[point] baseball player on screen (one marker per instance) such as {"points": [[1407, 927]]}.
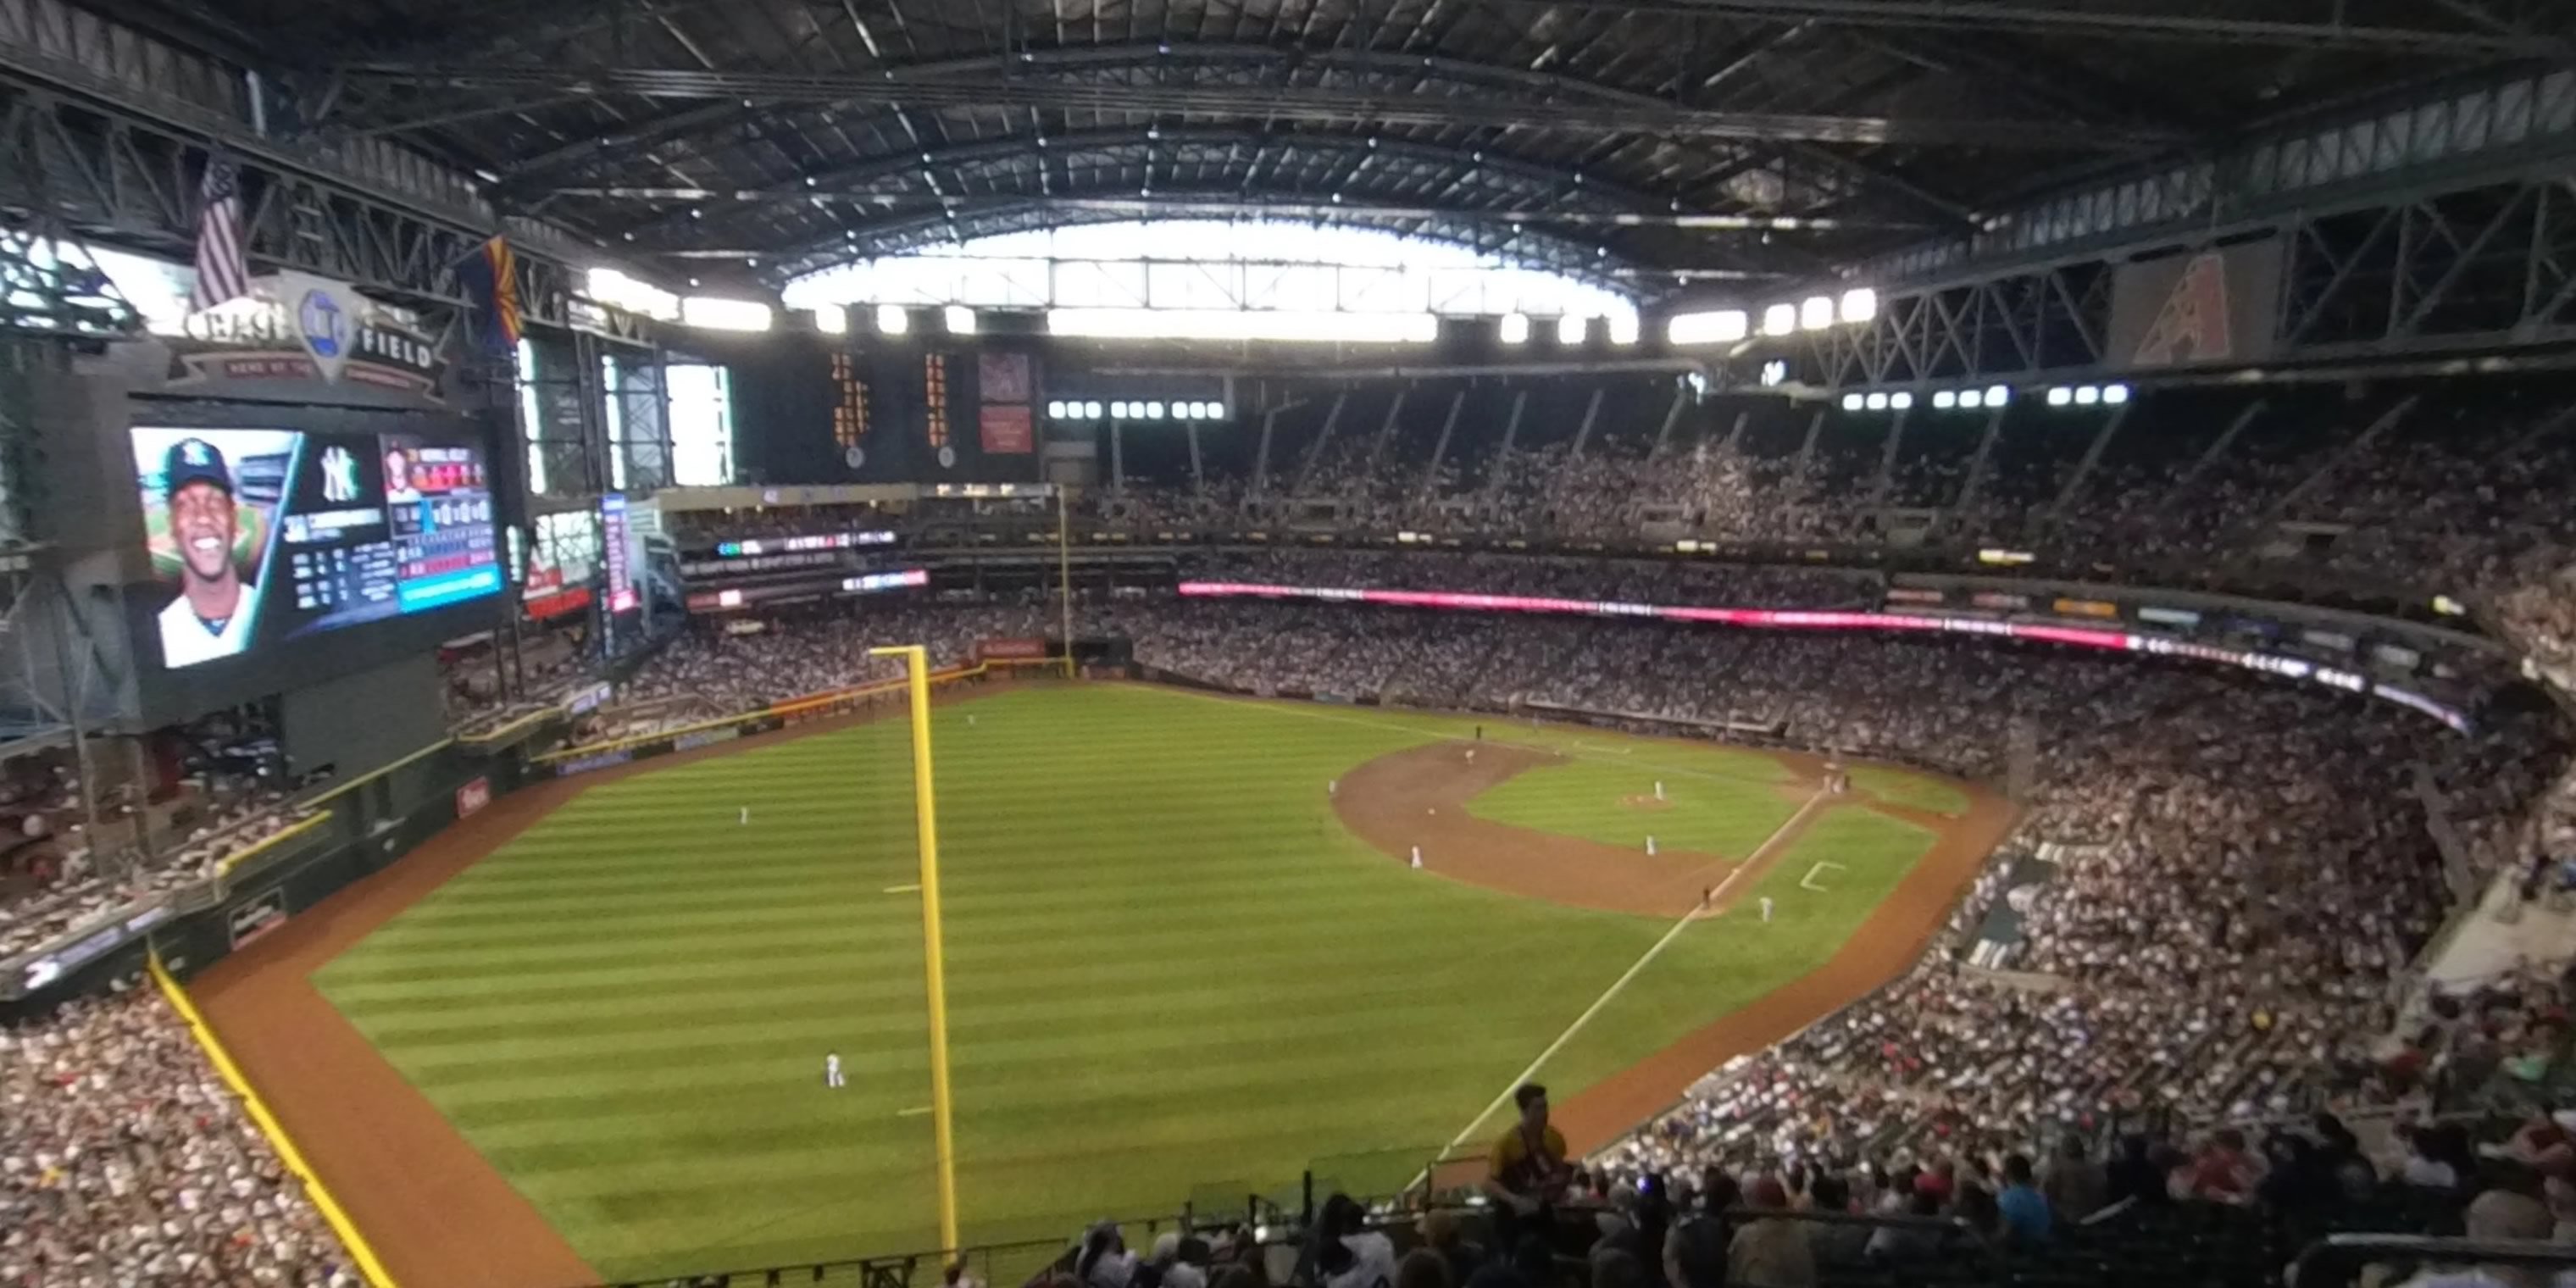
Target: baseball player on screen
{"points": [[212, 616]]}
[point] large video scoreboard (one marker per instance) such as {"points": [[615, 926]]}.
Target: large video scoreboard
{"points": [[259, 536]]}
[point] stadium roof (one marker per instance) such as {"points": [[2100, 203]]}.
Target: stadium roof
{"points": [[1666, 139]]}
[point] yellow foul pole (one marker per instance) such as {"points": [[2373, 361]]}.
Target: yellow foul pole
{"points": [[925, 808], [1064, 574]]}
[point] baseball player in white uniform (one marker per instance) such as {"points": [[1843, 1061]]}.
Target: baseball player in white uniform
{"points": [[213, 614], [832, 1070]]}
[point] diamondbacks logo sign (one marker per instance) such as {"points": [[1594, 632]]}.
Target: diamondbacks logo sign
{"points": [[2192, 326], [2196, 309]]}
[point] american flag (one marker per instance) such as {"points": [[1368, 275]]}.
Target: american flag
{"points": [[222, 271]]}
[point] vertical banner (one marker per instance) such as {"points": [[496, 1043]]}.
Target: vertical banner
{"points": [[1007, 431], [612, 538], [1003, 377], [2196, 308], [1007, 418]]}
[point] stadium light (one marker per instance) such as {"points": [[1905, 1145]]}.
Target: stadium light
{"points": [[1780, 319], [1998, 395], [1718, 326], [1816, 313], [1055, 409], [2087, 395], [832, 319], [1859, 305], [1875, 402], [1970, 399], [1153, 411], [1570, 329], [1118, 410], [1901, 401], [1944, 400], [959, 319], [1774, 373], [892, 320], [1851, 402], [1513, 329], [2115, 394], [1623, 328], [2060, 395], [1091, 411]]}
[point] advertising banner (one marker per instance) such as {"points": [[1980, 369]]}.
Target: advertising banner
{"points": [[1007, 430], [1011, 649], [256, 916], [472, 797], [2196, 308], [2086, 608], [612, 539], [295, 326]]}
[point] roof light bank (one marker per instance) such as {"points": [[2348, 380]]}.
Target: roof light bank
{"points": [[1139, 409], [2111, 395], [1995, 397], [1244, 324]]}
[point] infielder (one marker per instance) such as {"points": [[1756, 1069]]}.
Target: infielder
{"points": [[1766, 910], [832, 1070], [746, 816]]}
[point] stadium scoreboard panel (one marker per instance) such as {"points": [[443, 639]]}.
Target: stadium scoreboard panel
{"points": [[259, 536]]}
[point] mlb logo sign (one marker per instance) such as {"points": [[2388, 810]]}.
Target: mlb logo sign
{"points": [[473, 796], [325, 324]]}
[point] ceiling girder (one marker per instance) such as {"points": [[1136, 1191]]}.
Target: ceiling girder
{"points": [[995, 89], [2479, 39]]}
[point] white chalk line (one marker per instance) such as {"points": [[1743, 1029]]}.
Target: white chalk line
{"points": [[1620, 985], [1808, 882], [904, 889]]}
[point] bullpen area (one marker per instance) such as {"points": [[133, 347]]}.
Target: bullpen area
{"points": [[1190, 955]]}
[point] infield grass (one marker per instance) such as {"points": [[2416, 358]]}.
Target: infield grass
{"points": [[1613, 802], [1170, 970]]}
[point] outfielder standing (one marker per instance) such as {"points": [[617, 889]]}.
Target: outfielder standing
{"points": [[832, 1070]]}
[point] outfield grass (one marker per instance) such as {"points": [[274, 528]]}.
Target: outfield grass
{"points": [[1905, 787], [1169, 970], [1708, 811]]}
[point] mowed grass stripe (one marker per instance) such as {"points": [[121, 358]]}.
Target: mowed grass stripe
{"points": [[1169, 967]]}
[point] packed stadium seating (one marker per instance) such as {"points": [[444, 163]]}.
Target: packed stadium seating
{"points": [[2244, 882]]}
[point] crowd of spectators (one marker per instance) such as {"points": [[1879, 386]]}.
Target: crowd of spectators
{"points": [[2450, 487], [727, 666], [2251, 874], [124, 1160], [56, 876]]}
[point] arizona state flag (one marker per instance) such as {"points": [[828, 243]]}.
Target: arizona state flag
{"points": [[492, 282]]}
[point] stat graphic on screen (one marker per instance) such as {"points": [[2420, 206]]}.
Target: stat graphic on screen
{"points": [[260, 535]]}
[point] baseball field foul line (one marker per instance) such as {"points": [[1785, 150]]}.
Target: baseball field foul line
{"points": [[372, 1269], [1619, 985]]}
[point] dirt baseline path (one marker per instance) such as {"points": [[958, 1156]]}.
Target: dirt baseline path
{"points": [[437, 1214]]}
